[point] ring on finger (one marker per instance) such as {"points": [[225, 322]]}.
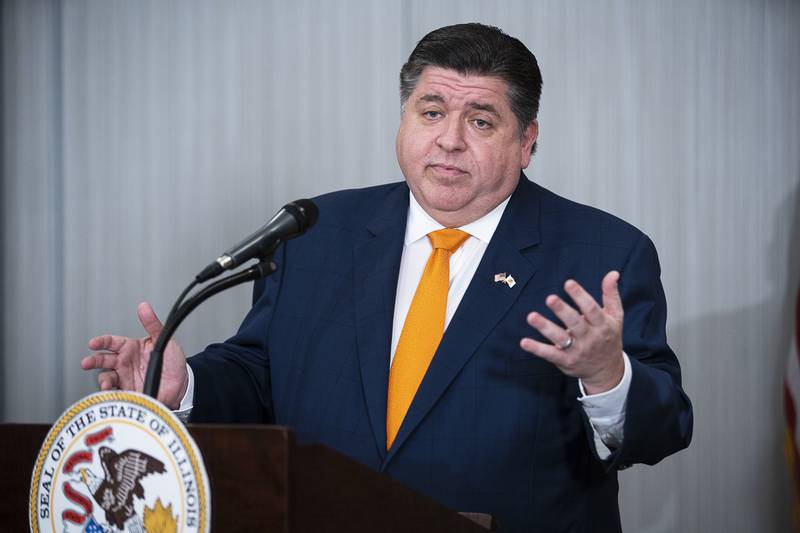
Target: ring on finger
{"points": [[566, 346]]}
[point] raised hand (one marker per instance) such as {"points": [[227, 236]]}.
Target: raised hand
{"points": [[589, 345], [123, 361]]}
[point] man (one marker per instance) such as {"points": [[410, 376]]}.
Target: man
{"points": [[463, 331]]}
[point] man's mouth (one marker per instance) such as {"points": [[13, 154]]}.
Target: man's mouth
{"points": [[446, 170]]}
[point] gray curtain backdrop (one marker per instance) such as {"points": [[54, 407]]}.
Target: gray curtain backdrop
{"points": [[141, 138]]}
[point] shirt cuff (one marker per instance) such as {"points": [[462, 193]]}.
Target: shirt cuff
{"points": [[185, 408], [606, 412]]}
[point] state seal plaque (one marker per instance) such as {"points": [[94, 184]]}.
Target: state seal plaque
{"points": [[119, 461]]}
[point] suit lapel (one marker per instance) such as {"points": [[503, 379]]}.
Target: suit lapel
{"points": [[484, 304], [377, 265]]}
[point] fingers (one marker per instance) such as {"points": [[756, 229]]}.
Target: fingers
{"points": [[150, 322], [588, 306], [567, 314], [113, 343], [612, 301], [591, 314], [548, 352], [99, 360], [590, 347], [556, 334], [108, 380]]}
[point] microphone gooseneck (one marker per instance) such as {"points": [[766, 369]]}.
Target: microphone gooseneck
{"points": [[291, 221], [152, 380]]}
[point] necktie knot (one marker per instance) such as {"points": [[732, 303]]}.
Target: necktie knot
{"points": [[447, 239]]}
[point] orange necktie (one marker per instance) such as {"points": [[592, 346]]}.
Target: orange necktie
{"points": [[422, 330]]}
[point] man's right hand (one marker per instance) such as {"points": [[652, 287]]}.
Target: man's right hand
{"points": [[123, 361]]}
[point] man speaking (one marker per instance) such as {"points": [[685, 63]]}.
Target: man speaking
{"points": [[467, 332]]}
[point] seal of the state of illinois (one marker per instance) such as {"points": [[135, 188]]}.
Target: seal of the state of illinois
{"points": [[119, 461]]}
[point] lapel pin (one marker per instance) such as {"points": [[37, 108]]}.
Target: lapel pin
{"points": [[503, 277]]}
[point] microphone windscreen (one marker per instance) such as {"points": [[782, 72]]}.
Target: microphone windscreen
{"points": [[305, 211]]}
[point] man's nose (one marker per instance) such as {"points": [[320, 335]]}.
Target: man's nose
{"points": [[451, 138]]}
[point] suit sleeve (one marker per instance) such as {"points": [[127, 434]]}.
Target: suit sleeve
{"points": [[658, 413], [232, 378]]}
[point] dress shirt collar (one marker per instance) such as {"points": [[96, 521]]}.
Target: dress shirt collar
{"points": [[420, 223]]}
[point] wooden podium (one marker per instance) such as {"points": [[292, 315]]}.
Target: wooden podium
{"points": [[261, 480]]}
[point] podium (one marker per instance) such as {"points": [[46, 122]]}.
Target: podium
{"points": [[262, 480]]}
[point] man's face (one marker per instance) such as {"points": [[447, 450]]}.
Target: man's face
{"points": [[459, 145]]}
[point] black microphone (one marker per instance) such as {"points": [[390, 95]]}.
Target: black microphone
{"points": [[292, 220]]}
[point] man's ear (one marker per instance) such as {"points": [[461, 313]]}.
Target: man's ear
{"points": [[529, 137]]}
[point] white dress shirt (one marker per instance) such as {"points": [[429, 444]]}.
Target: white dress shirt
{"points": [[606, 411]]}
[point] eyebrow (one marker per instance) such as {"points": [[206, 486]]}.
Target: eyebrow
{"points": [[431, 98], [489, 108]]}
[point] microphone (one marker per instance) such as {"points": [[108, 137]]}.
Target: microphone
{"points": [[290, 221]]}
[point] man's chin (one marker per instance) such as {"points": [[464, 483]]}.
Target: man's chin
{"points": [[448, 200], [447, 207]]}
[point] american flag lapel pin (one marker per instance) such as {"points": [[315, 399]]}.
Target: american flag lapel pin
{"points": [[504, 277]]}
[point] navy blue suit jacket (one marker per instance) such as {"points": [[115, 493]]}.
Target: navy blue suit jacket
{"points": [[492, 428]]}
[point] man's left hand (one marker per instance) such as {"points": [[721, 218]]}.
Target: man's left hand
{"points": [[589, 347]]}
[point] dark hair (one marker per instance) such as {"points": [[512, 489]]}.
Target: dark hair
{"points": [[480, 50]]}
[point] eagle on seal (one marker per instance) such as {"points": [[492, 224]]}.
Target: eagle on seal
{"points": [[123, 471]]}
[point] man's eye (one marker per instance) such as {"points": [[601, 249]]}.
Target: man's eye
{"points": [[481, 124], [431, 115]]}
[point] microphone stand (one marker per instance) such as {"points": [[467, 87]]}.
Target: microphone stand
{"points": [[181, 310]]}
